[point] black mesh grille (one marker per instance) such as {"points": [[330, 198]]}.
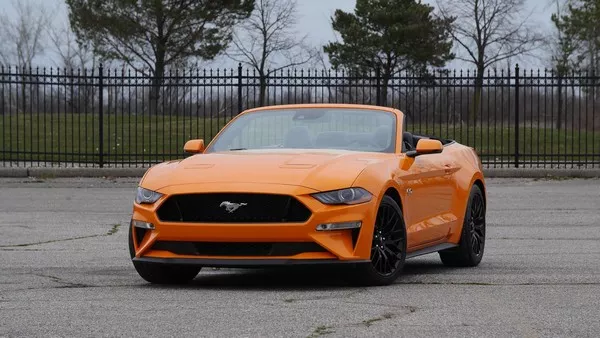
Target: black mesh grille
{"points": [[237, 249], [253, 208]]}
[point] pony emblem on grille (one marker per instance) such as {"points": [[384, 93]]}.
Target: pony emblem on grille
{"points": [[230, 206]]}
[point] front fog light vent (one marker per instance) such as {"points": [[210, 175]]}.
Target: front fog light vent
{"points": [[143, 225], [339, 226]]}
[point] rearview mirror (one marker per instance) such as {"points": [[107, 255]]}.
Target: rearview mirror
{"points": [[426, 146], [194, 146]]}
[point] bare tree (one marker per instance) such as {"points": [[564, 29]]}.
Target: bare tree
{"points": [[23, 32], [78, 60], [267, 41], [490, 31], [562, 49], [70, 53]]}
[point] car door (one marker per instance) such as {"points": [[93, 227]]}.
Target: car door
{"points": [[430, 191]]}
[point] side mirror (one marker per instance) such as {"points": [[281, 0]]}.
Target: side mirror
{"points": [[426, 146], [194, 146]]}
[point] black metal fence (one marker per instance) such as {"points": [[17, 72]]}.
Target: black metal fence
{"points": [[102, 117]]}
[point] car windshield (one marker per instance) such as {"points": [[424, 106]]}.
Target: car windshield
{"points": [[310, 128]]}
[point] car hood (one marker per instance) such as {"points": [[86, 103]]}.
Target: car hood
{"points": [[320, 170]]}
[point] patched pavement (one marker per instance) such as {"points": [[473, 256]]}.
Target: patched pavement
{"points": [[65, 271]]}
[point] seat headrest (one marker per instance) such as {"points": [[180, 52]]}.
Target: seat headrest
{"points": [[298, 137], [331, 139]]}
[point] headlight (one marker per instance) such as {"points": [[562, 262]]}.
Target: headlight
{"points": [[344, 196], [145, 196]]}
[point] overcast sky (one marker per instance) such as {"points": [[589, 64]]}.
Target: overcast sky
{"points": [[314, 20]]}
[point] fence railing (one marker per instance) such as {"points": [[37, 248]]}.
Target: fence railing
{"points": [[102, 117]]}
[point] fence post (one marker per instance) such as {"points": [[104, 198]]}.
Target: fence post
{"points": [[101, 115], [239, 83], [517, 116], [378, 85]]}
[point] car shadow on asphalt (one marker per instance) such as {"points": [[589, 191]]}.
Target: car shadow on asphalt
{"points": [[300, 278]]}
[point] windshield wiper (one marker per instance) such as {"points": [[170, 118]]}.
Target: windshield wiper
{"points": [[234, 149]]}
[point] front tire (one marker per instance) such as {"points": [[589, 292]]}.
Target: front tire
{"points": [[162, 273], [388, 248], [472, 240]]}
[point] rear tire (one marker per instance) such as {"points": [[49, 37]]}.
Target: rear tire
{"points": [[388, 248], [472, 240], [162, 273]]}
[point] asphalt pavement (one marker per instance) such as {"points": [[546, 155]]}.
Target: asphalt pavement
{"points": [[65, 271]]}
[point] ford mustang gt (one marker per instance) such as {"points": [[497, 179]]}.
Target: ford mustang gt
{"points": [[310, 184]]}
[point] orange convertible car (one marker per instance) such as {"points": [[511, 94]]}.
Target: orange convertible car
{"points": [[310, 184]]}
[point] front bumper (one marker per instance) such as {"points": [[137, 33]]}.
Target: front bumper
{"points": [[247, 262], [338, 245]]}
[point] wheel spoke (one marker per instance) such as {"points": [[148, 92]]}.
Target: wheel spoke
{"points": [[375, 257], [392, 253], [392, 241], [391, 221], [476, 206], [480, 237], [474, 244], [388, 213], [382, 260], [388, 263], [479, 228], [383, 254]]}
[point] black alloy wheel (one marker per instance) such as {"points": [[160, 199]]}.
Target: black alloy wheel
{"points": [[472, 241], [388, 248], [477, 224]]}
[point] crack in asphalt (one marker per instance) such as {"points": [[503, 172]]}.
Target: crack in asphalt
{"points": [[71, 286], [546, 239], [544, 253], [323, 330], [409, 308], [65, 284], [371, 321], [499, 284], [112, 231], [50, 241], [543, 209], [13, 249], [344, 296]]}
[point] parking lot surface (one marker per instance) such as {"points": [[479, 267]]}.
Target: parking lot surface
{"points": [[65, 271]]}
